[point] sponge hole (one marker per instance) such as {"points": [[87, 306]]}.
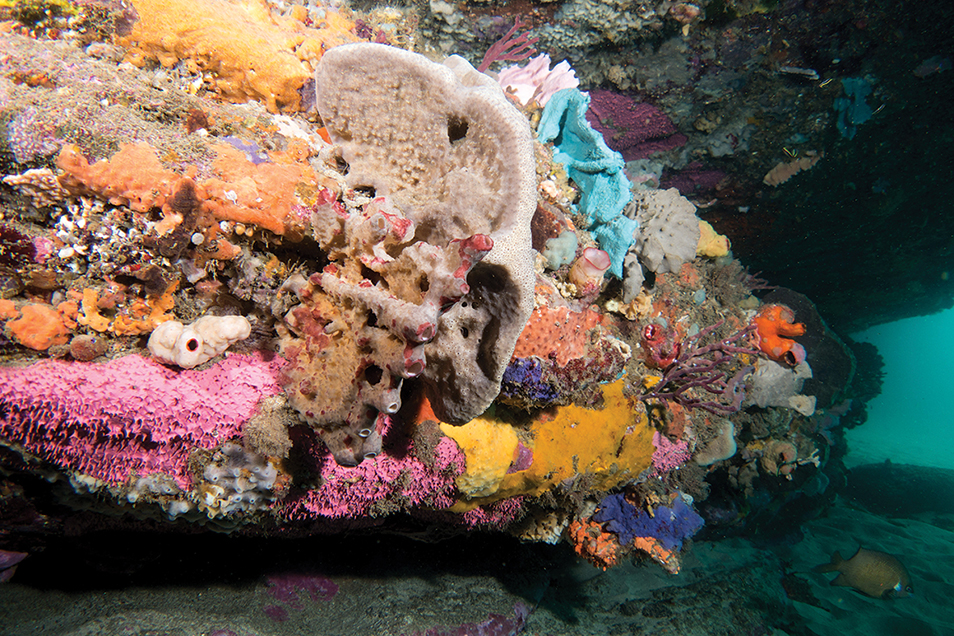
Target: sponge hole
{"points": [[456, 128], [373, 374]]}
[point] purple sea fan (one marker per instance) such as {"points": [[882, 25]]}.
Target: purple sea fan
{"points": [[707, 368]]}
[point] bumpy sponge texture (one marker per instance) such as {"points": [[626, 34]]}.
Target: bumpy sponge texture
{"points": [[668, 229], [444, 143]]}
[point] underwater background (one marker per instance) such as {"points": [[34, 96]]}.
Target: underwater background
{"points": [[634, 318]]}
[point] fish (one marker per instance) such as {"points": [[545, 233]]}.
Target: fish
{"points": [[874, 573]]}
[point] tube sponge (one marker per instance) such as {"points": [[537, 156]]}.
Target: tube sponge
{"points": [[188, 346], [587, 272]]}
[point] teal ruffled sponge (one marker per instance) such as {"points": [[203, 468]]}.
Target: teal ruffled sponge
{"points": [[597, 170]]}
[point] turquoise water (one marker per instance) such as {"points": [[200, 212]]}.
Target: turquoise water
{"points": [[911, 421]]}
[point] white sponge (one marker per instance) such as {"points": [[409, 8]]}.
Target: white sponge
{"points": [[189, 346]]}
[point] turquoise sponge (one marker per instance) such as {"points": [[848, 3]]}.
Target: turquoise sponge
{"points": [[597, 170]]}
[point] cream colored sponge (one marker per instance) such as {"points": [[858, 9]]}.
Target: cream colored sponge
{"points": [[189, 346]]}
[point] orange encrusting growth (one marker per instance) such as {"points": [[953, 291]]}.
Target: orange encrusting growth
{"points": [[249, 53], [262, 195], [41, 326], [591, 542], [774, 329], [559, 332], [669, 559], [138, 318]]}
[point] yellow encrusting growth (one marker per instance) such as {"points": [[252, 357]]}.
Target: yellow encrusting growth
{"points": [[251, 53], [711, 243], [609, 446], [489, 447]]}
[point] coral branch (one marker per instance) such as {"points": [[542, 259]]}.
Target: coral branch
{"points": [[706, 367], [509, 48]]}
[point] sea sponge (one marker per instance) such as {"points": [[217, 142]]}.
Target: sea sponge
{"points": [[774, 384], [779, 458], [262, 194], [597, 171], [560, 250], [588, 270], [139, 317], [39, 327], [711, 243], [489, 447], [774, 329], [557, 332], [250, 53], [652, 546], [609, 446], [132, 177], [444, 143], [719, 447], [353, 340], [8, 309], [668, 229], [599, 547], [188, 346]]}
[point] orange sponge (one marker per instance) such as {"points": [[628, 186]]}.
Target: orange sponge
{"points": [[594, 544], [39, 327], [774, 329], [559, 332], [250, 53]]}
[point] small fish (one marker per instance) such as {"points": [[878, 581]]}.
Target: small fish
{"points": [[870, 572]]}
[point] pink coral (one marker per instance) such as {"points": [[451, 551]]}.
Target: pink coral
{"points": [[668, 455], [395, 479], [537, 80], [130, 414], [498, 514]]}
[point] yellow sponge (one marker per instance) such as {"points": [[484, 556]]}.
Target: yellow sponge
{"points": [[711, 243], [610, 446], [488, 447]]}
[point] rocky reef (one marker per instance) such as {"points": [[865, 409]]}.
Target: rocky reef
{"points": [[263, 287]]}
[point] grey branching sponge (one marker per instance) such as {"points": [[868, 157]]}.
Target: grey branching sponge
{"points": [[443, 143]]}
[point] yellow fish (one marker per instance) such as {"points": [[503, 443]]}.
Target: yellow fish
{"points": [[870, 572]]}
